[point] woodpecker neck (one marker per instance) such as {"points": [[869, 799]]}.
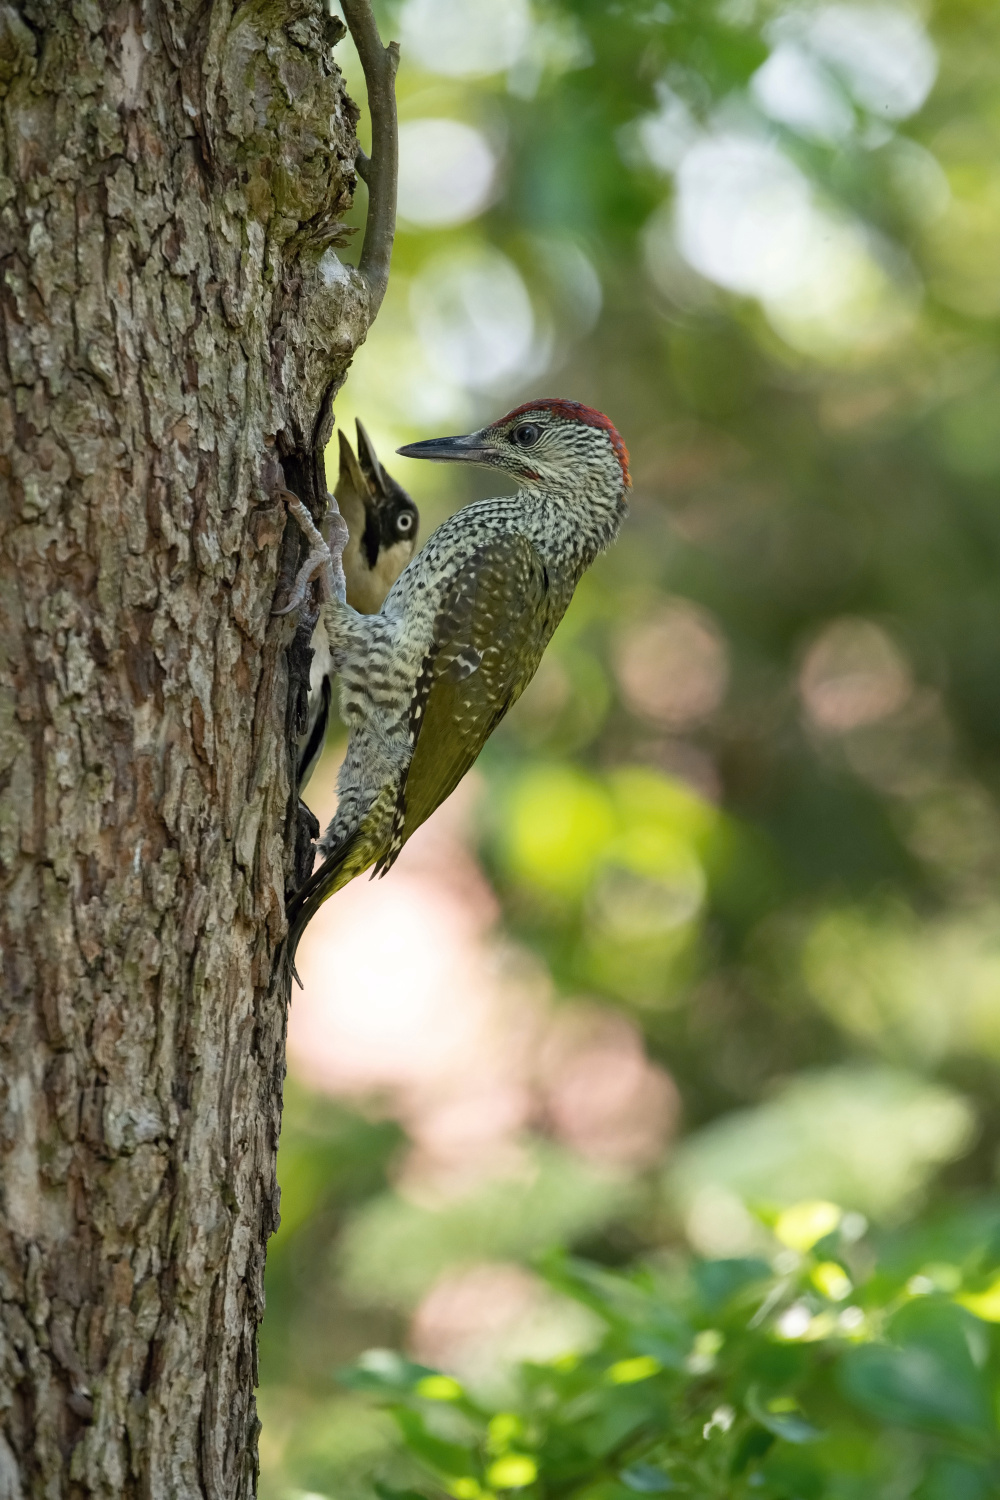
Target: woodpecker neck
{"points": [[574, 522]]}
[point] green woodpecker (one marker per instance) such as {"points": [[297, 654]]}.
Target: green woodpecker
{"points": [[461, 632]]}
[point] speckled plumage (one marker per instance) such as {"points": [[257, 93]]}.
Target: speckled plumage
{"points": [[426, 681], [382, 526]]}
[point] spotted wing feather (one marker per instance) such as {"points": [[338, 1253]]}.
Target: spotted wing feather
{"points": [[488, 640]]}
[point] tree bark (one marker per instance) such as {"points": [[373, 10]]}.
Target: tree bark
{"points": [[175, 322]]}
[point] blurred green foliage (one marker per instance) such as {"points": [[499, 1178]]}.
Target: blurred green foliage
{"points": [[394, 1250], [832, 1369], [751, 799]]}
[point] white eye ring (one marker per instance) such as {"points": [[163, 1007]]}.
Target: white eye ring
{"points": [[404, 522]]}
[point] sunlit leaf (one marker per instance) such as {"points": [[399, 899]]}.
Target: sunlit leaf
{"points": [[985, 1304], [439, 1388], [503, 1429], [803, 1224], [512, 1472], [832, 1280], [628, 1371]]}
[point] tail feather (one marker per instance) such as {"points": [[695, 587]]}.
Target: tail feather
{"points": [[333, 874], [358, 851]]}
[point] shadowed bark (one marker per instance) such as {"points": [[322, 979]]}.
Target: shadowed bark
{"points": [[174, 322]]}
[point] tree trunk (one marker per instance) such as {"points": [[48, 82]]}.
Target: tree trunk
{"points": [[175, 322]]}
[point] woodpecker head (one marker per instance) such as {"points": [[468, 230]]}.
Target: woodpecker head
{"points": [[382, 522], [547, 444], [392, 519]]}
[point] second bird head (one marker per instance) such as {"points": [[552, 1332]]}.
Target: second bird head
{"points": [[382, 522]]}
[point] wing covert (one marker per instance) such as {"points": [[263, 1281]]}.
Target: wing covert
{"points": [[488, 640]]}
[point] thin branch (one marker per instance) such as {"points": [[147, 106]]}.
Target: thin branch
{"points": [[382, 169]]}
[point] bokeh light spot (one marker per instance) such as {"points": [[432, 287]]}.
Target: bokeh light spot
{"points": [[446, 172], [629, 1371], [474, 317], [748, 219], [603, 1097], [476, 1316], [791, 87], [558, 822], [673, 668], [853, 675], [883, 53], [465, 38]]}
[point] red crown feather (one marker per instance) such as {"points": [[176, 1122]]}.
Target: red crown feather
{"points": [[575, 411]]}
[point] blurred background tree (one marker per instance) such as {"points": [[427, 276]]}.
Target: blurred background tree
{"points": [[713, 930]]}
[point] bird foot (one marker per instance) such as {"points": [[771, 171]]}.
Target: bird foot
{"points": [[325, 560]]}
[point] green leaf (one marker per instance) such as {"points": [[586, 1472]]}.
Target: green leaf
{"points": [[384, 1370], [450, 1460], [646, 1479], [754, 1443], [618, 1412], [912, 1386], [780, 1417], [718, 1281]]}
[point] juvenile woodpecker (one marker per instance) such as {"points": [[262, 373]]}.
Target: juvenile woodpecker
{"points": [[382, 521], [382, 524], [426, 681]]}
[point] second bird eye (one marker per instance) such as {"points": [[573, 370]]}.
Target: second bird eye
{"points": [[526, 434]]}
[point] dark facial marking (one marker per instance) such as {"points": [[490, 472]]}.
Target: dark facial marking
{"points": [[399, 520], [371, 541]]}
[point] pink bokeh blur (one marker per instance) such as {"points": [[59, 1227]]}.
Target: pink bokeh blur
{"points": [[673, 667], [411, 1000], [412, 1004], [478, 1319]]}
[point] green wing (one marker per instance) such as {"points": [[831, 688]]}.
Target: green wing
{"points": [[488, 641]]}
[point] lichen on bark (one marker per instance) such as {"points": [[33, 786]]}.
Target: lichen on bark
{"points": [[174, 321]]}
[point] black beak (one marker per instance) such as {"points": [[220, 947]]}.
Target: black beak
{"points": [[370, 466], [475, 448]]}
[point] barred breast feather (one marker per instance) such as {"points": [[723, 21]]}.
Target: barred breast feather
{"points": [[488, 637]]}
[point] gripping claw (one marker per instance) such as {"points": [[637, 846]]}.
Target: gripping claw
{"points": [[324, 561]]}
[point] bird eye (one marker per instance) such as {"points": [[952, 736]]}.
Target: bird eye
{"points": [[404, 522], [526, 435]]}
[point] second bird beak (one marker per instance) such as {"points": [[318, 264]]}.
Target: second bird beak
{"points": [[475, 448]]}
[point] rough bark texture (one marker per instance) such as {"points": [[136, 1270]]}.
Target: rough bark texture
{"points": [[174, 317]]}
